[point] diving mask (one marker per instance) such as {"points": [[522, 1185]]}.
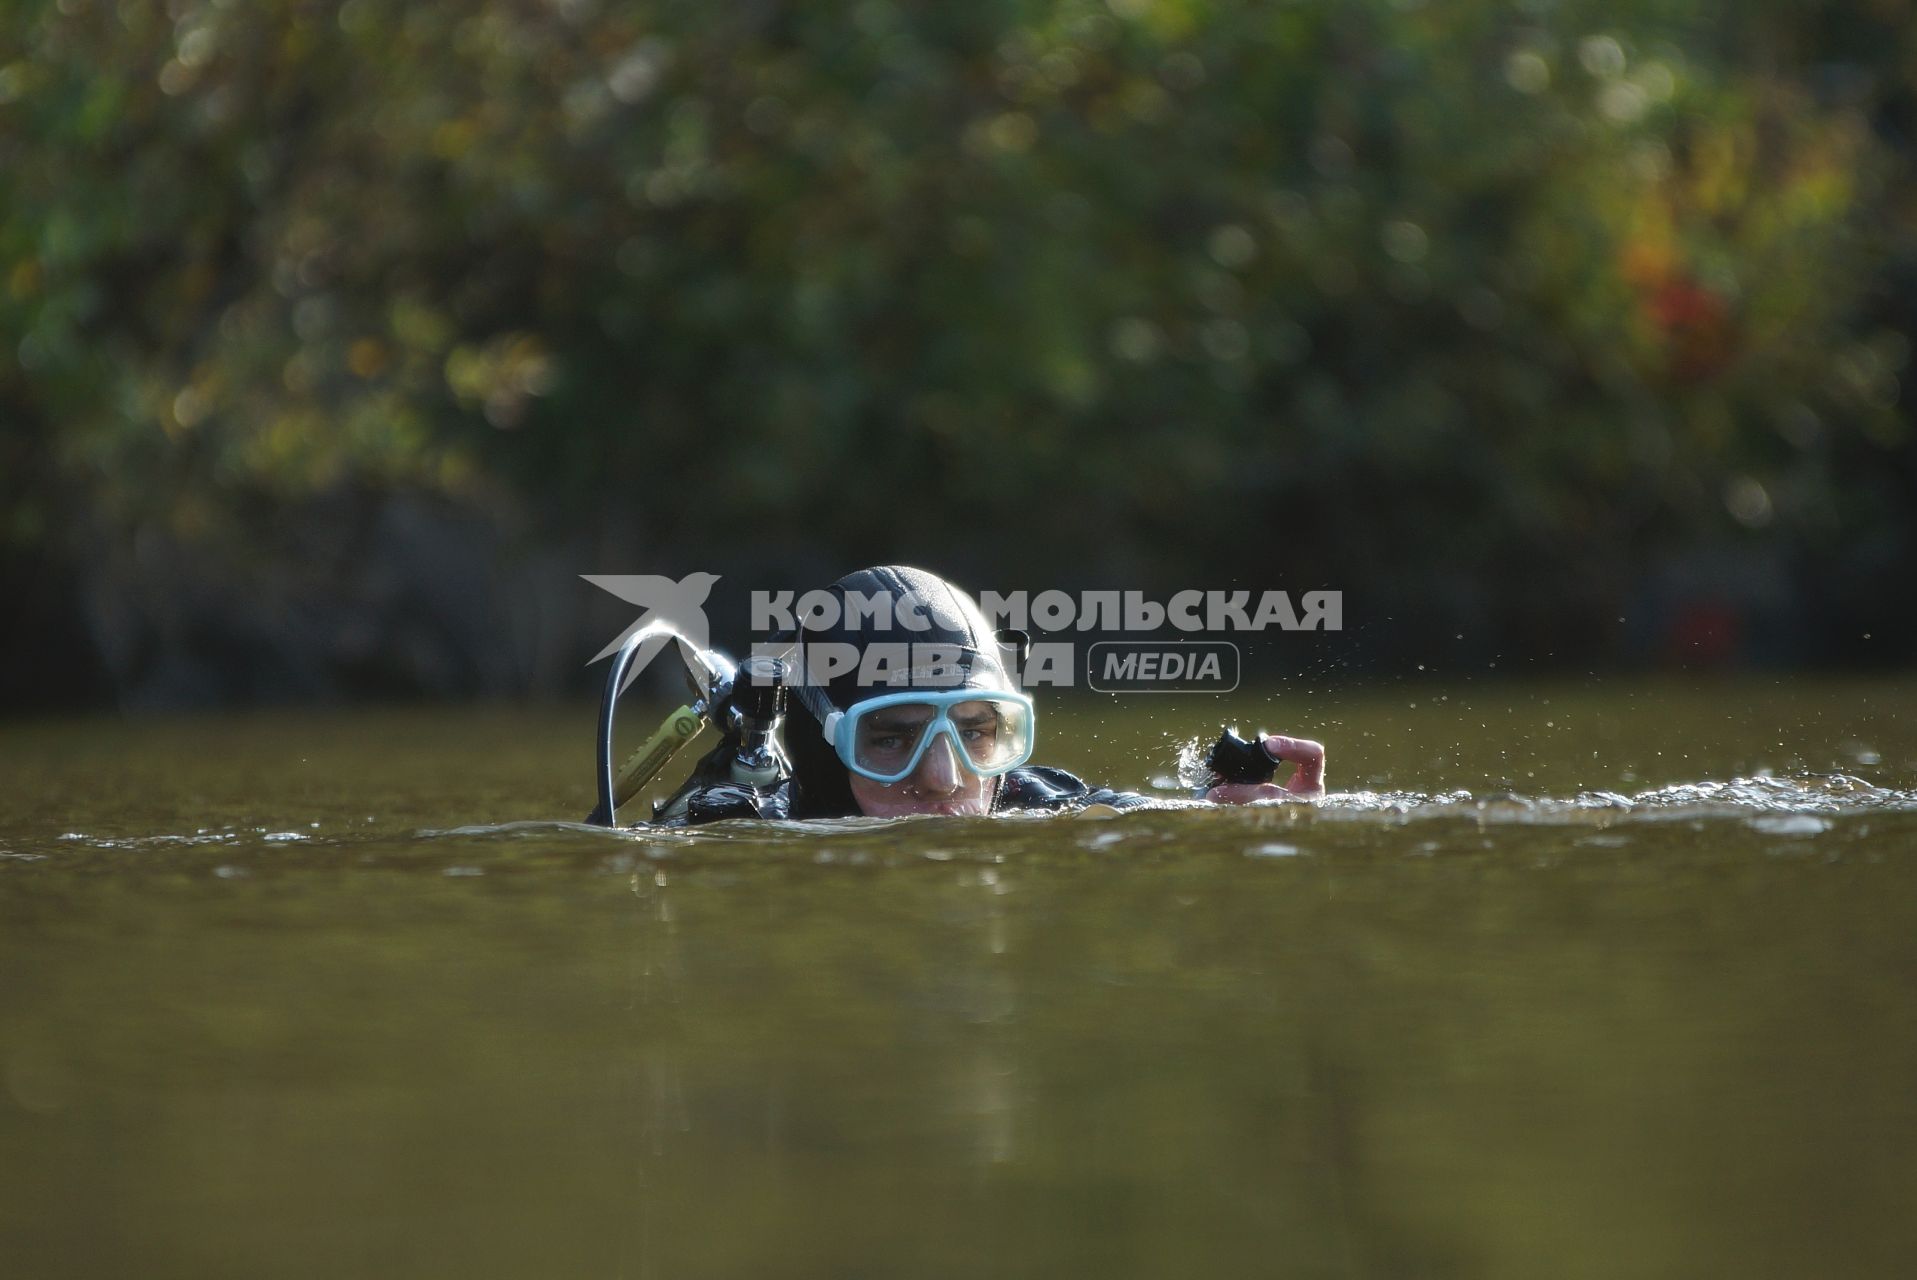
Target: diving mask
{"points": [[884, 738]]}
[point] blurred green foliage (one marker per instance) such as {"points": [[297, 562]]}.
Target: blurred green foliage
{"points": [[1404, 285]]}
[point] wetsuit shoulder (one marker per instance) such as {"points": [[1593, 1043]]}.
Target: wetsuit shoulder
{"points": [[709, 795], [1040, 786], [720, 800]]}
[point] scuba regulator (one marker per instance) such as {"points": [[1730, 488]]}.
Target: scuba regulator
{"points": [[748, 774], [753, 716]]}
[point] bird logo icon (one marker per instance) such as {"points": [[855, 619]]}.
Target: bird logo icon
{"points": [[671, 609]]}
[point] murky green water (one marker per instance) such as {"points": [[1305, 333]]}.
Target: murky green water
{"points": [[282, 996]]}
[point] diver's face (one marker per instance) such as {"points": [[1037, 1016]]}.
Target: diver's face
{"points": [[939, 785]]}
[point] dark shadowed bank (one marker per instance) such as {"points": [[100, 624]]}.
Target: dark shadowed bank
{"points": [[336, 341]]}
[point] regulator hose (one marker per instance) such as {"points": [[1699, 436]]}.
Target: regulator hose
{"points": [[679, 728], [605, 815]]}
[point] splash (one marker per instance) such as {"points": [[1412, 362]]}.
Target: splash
{"points": [[1834, 794], [1191, 770]]}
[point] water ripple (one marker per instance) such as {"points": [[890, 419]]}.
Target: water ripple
{"points": [[1800, 806]]}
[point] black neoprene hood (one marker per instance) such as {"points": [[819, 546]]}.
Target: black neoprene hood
{"points": [[953, 625]]}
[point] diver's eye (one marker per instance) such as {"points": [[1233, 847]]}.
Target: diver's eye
{"points": [[978, 728]]}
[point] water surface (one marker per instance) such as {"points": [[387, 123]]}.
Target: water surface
{"points": [[1605, 979]]}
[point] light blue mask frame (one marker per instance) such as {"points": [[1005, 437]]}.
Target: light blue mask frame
{"points": [[842, 729]]}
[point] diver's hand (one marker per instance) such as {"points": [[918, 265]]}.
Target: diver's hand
{"points": [[1307, 781]]}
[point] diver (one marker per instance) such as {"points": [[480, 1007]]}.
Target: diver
{"points": [[952, 736]]}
